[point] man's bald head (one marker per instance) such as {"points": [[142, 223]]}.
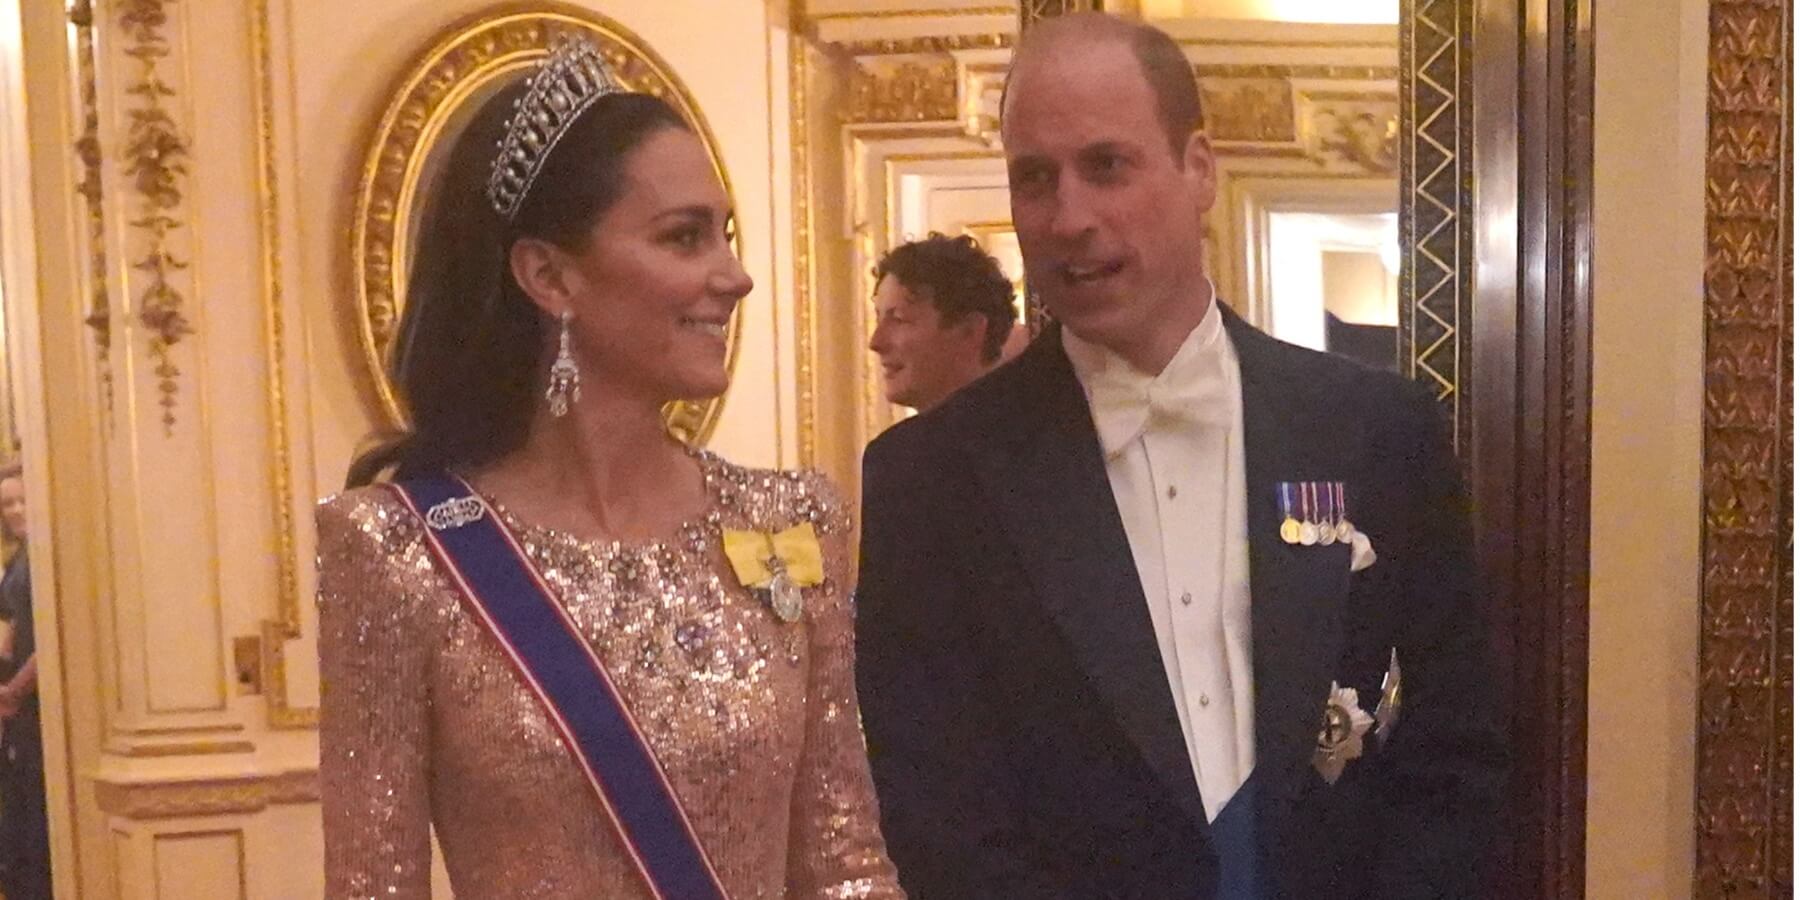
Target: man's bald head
{"points": [[1165, 68]]}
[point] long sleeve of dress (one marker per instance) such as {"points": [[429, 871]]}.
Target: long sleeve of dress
{"points": [[374, 712], [836, 849]]}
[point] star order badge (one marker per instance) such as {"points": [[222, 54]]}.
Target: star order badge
{"points": [[1341, 733]]}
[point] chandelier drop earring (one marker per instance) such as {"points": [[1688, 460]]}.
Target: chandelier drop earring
{"points": [[565, 376]]}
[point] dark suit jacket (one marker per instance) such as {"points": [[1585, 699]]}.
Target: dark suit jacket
{"points": [[1023, 736]]}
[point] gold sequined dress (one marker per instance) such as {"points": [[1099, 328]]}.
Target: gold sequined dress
{"points": [[424, 721]]}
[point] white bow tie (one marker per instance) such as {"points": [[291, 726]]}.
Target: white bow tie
{"points": [[1125, 404]]}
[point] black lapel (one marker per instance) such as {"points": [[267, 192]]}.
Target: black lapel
{"points": [[1297, 593], [1047, 479]]}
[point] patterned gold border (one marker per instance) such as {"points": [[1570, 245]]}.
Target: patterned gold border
{"points": [[1436, 199], [1744, 764], [459, 63]]}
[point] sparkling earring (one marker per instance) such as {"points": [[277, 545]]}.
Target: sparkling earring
{"points": [[565, 376]]}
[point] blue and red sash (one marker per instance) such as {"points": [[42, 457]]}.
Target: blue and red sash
{"points": [[509, 597]]}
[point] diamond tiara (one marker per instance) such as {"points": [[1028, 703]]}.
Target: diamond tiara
{"points": [[569, 81]]}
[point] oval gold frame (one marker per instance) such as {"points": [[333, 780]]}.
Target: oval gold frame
{"points": [[459, 64]]}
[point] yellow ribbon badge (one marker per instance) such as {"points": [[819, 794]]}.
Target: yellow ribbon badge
{"points": [[777, 566], [798, 549]]}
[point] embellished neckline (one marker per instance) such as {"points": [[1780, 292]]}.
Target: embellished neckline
{"points": [[692, 535]]}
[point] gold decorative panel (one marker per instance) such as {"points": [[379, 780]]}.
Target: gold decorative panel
{"points": [[912, 89], [1744, 766], [461, 68], [1358, 129], [1252, 110]]}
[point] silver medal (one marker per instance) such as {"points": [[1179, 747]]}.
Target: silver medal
{"points": [[785, 598]]}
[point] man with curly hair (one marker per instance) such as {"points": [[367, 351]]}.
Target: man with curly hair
{"points": [[943, 318]]}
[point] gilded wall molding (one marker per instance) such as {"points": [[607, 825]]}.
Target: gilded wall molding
{"points": [[1307, 71], [1337, 130], [920, 13], [205, 797], [92, 192], [464, 59], [1744, 764], [155, 159], [806, 365], [1354, 129], [952, 43], [282, 714]]}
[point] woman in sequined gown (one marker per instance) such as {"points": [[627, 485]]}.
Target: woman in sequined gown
{"points": [[424, 721]]}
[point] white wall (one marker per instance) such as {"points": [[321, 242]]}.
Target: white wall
{"points": [[1650, 106]]}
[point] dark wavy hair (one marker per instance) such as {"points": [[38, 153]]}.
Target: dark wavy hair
{"points": [[960, 279], [470, 353]]}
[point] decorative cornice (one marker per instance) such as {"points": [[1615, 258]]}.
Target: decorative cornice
{"points": [[913, 46]]}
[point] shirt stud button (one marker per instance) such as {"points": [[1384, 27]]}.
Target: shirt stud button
{"points": [[1187, 599], [1205, 701], [1172, 492]]}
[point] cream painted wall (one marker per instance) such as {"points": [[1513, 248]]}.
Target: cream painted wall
{"points": [[1650, 129]]}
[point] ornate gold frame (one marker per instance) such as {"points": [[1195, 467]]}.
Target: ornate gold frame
{"points": [[465, 59]]}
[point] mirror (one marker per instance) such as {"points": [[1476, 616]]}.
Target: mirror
{"points": [[437, 97]]}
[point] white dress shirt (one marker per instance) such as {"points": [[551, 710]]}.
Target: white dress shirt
{"points": [[1174, 449]]}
